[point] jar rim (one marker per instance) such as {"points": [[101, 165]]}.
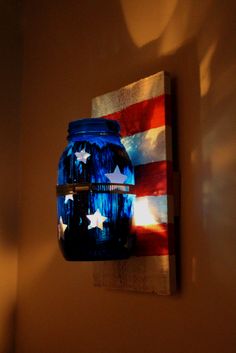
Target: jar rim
{"points": [[99, 126]]}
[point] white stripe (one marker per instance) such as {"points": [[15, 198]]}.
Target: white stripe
{"points": [[146, 88], [148, 146], [150, 210]]}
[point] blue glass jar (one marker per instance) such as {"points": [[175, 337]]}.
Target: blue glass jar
{"points": [[94, 193]]}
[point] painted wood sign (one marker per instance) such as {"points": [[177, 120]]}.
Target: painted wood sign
{"points": [[143, 111]]}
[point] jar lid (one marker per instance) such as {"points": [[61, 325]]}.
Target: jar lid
{"points": [[93, 126]]}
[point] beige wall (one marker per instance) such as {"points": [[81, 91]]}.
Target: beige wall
{"points": [[10, 68], [75, 50]]}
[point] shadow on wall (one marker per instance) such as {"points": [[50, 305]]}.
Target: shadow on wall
{"points": [[77, 51], [8, 331], [10, 72]]}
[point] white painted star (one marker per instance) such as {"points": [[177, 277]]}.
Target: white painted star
{"points": [[116, 177], [96, 220], [82, 156], [68, 197], [61, 228]]}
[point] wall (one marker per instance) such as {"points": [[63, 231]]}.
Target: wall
{"points": [[10, 63], [74, 50]]}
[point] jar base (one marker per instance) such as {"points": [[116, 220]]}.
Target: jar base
{"points": [[98, 256]]}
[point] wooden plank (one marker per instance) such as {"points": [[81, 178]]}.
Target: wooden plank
{"points": [[143, 110]]}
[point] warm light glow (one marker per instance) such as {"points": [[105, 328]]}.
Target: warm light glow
{"points": [[142, 213], [170, 23], [141, 18], [184, 24], [205, 69]]}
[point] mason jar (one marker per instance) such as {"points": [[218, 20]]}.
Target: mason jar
{"points": [[94, 193]]}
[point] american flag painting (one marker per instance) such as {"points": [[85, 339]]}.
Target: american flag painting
{"points": [[143, 111]]}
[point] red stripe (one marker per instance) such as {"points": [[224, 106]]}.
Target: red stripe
{"points": [[155, 240], [154, 179], [142, 116]]}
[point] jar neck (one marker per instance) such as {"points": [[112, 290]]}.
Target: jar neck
{"points": [[94, 127]]}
